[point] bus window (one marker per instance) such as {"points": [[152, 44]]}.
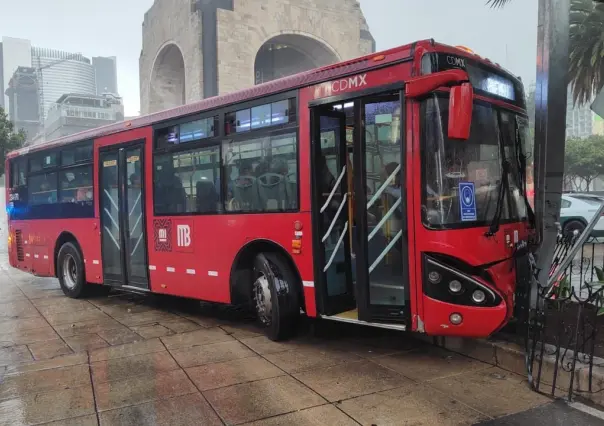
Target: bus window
{"points": [[75, 155], [76, 184], [184, 182], [261, 174], [42, 189], [42, 161], [18, 173]]}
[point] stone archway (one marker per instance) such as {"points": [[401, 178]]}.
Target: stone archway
{"points": [[288, 54], [167, 84]]}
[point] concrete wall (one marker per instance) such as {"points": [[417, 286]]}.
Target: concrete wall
{"points": [[171, 22]]}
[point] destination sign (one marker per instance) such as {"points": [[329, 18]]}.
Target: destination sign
{"points": [[484, 79]]}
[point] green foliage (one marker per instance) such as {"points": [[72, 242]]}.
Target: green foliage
{"points": [[10, 139], [564, 289], [597, 287], [584, 158], [586, 65], [498, 3], [586, 58]]}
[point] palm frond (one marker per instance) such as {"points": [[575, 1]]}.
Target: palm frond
{"points": [[586, 62], [497, 3]]}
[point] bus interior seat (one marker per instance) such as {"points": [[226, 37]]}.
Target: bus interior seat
{"points": [[272, 191], [245, 192], [206, 197]]}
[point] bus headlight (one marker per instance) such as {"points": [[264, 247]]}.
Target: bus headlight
{"points": [[459, 285], [434, 277], [479, 297], [455, 287]]}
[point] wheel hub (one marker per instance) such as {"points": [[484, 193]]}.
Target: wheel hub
{"points": [[262, 296], [70, 272]]}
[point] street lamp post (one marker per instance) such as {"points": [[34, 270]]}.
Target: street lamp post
{"points": [[550, 125]]}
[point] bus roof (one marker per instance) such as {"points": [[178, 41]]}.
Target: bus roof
{"points": [[285, 84]]}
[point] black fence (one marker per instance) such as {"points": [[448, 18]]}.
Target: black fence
{"points": [[562, 319]]}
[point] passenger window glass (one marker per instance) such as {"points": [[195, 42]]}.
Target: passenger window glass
{"points": [[18, 173], [261, 174], [80, 154], [187, 182], [261, 116], [166, 137], [42, 161], [242, 120], [43, 189], [280, 112], [76, 185]]}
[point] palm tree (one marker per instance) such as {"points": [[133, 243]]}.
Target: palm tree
{"points": [[586, 61]]}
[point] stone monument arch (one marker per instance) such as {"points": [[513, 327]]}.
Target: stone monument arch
{"points": [[195, 49]]}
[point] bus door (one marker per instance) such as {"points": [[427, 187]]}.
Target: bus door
{"points": [[381, 210], [360, 210], [122, 207], [334, 274]]}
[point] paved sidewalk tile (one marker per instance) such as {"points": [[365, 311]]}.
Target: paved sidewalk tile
{"points": [[415, 404], [494, 391], [49, 349], [257, 400], [189, 409], [47, 406]]}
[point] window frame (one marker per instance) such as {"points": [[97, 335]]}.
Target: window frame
{"points": [[249, 136], [189, 148], [496, 107], [57, 169], [185, 120], [293, 126]]}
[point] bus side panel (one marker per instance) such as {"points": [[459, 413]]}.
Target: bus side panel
{"points": [[197, 263], [39, 239]]}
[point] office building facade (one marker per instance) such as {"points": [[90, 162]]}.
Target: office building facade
{"points": [[105, 71]]}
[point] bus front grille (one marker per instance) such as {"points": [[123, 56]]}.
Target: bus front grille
{"points": [[19, 244]]}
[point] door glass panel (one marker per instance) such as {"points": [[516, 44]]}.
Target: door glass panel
{"points": [[385, 205], [133, 219], [333, 223], [110, 217]]}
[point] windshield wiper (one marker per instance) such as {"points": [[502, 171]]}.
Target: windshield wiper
{"points": [[504, 187]]}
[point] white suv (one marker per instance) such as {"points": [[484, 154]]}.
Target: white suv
{"points": [[576, 212]]}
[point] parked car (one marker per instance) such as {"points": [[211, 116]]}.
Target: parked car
{"points": [[576, 212]]}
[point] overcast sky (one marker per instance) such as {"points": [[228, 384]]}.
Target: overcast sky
{"points": [[113, 28]]}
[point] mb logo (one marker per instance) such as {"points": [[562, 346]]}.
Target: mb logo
{"points": [[183, 235], [163, 235]]}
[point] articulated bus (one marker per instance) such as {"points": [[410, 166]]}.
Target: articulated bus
{"points": [[389, 190]]}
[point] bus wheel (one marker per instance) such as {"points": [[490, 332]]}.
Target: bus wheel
{"points": [[275, 296], [572, 226], [70, 271]]}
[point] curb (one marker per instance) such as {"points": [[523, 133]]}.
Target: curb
{"points": [[511, 357]]}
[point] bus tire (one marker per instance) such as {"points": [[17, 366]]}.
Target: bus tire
{"points": [[71, 273], [275, 296], [571, 226]]}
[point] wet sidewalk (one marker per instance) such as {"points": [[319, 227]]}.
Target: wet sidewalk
{"points": [[127, 360]]}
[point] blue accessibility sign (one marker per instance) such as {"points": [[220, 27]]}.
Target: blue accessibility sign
{"points": [[467, 201]]}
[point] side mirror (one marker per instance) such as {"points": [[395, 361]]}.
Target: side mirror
{"points": [[460, 111]]}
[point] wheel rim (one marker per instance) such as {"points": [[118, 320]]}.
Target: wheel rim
{"points": [[70, 272], [262, 297]]}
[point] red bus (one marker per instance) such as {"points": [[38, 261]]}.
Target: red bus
{"points": [[387, 190]]}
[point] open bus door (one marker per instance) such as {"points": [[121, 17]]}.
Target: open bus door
{"points": [[359, 210]]}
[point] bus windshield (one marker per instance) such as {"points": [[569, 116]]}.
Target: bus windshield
{"points": [[472, 168]]}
